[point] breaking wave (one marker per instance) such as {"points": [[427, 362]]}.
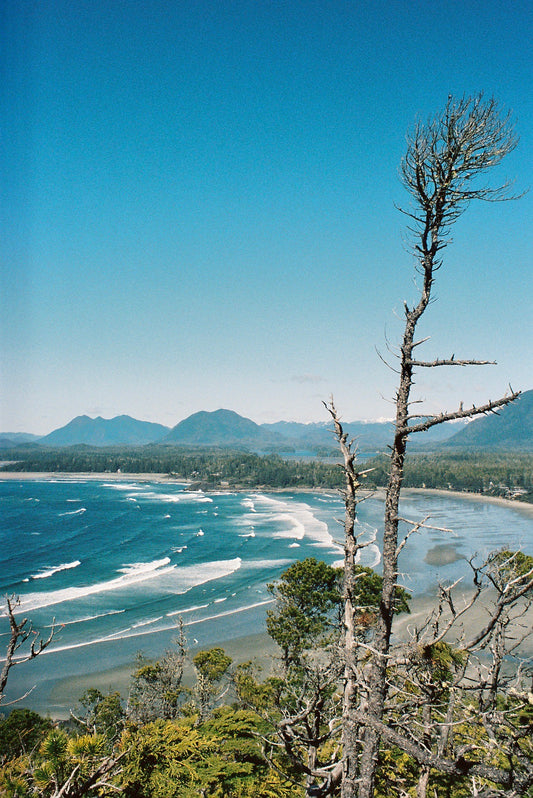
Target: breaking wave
{"points": [[172, 579], [80, 511], [47, 572]]}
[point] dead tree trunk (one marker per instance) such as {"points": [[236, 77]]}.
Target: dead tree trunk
{"points": [[350, 728], [20, 632], [443, 160]]}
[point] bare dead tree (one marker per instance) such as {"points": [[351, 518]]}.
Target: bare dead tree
{"points": [[444, 162], [451, 698], [347, 768], [20, 633], [318, 724], [100, 779]]}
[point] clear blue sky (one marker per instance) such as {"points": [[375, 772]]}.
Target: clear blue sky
{"points": [[197, 206]]}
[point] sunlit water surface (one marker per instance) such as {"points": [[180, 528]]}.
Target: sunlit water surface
{"points": [[115, 564]]}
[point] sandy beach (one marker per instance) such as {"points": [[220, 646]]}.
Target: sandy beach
{"points": [[259, 648], [113, 476], [65, 693], [379, 493], [474, 497], [262, 650]]}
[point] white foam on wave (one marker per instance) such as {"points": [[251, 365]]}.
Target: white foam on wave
{"points": [[122, 485], [64, 481], [296, 519], [199, 496], [370, 556], [130, 632], [256, 564], [162, 497], [374, 555], [87, 618], [132, 574], [248, 503], [187, 609], [230, 612], [294, 527], [146, 623], [183, 496], [80, 511], [143, 567], [171, 578], [47, 572]]}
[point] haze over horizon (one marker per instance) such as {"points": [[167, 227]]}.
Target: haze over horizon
{"points": [[94, 417], [198, 207]]}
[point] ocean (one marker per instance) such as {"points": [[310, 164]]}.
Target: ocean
{"points": [[115, 564]]}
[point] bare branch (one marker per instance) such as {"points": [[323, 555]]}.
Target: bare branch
{"points": [[504, 600], [416, 527], [20, 632], [450, 362], [441, 170], [489, 407], [459, 767]]}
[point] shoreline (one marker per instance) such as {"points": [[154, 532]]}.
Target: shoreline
{"points": [[64, 693], [378, 493], [96, 476], [475, 497], [264, 652], [258, 648]]}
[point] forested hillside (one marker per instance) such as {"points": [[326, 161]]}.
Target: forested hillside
{"points": [[489, 473], [509, 476], [511, 429], [207, 467]]}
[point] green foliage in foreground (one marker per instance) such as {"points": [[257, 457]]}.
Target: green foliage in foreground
{"points": [[21, 732], [309, 605], [219, 758], [220, 737]]}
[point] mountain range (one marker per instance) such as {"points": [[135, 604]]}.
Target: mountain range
{"points": [[511, 429], [118, 431]]}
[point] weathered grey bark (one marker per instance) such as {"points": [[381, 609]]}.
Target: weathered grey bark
{"points": [[350, 728], [443, 160], [20, 632], [452, 698]]}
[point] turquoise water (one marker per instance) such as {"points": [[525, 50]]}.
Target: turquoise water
{"points": [[117, 563]]}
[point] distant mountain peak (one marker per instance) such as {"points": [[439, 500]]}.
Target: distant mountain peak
{"points": [[119, 431], [508, 429], [217, 428], [511, 428]]}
